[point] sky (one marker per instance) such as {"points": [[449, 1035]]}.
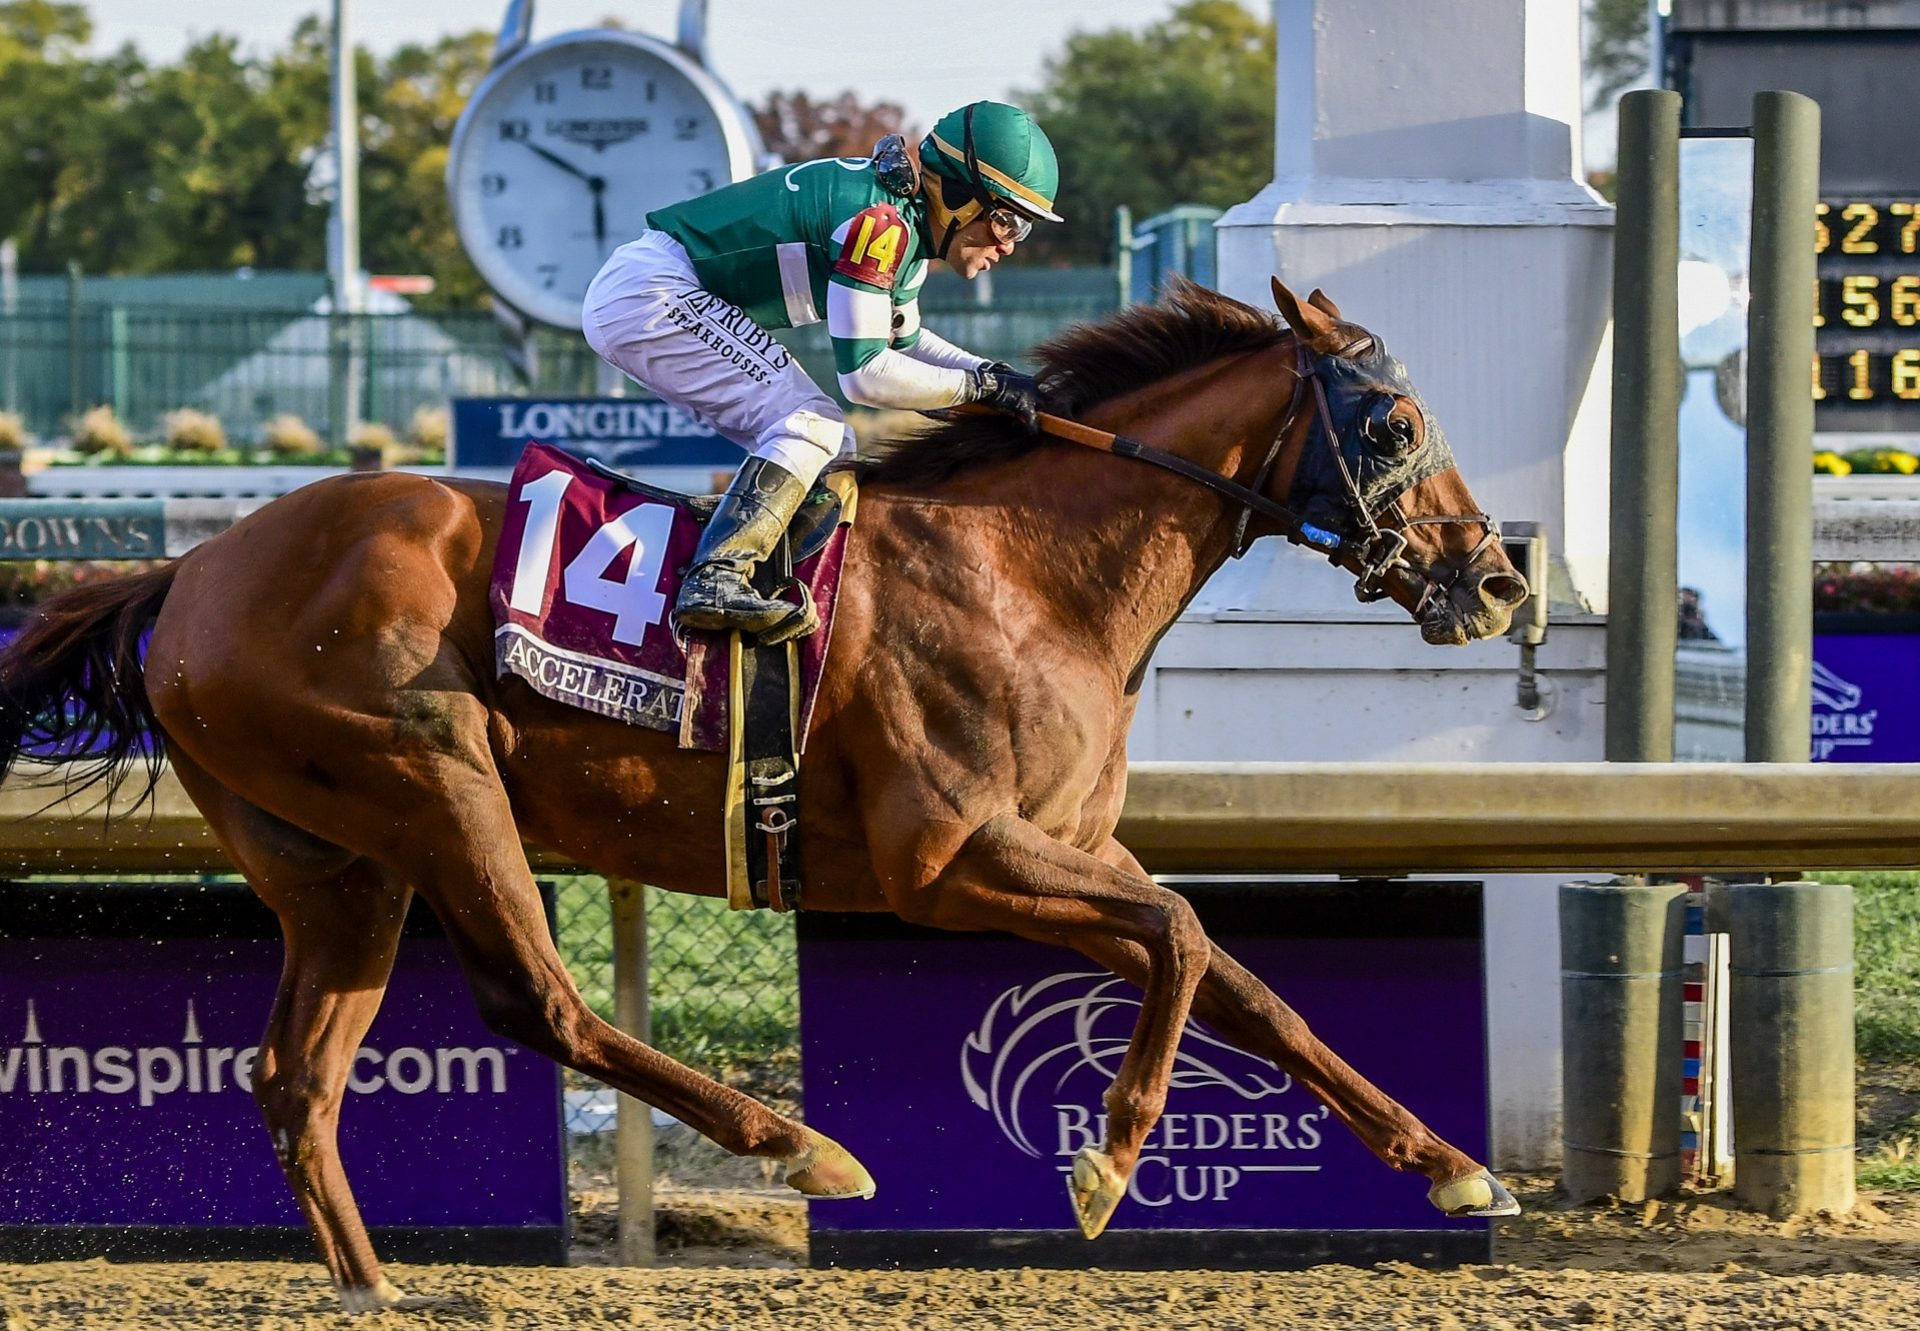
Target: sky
{"points": [[927, 58]]}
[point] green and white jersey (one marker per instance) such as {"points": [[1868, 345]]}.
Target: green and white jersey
{"points": [[812, 240]]}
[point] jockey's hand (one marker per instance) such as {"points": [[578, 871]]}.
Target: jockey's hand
{"points": [[1005, 389]]}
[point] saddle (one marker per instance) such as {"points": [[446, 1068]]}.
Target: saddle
{"points": [[588, 563], [764, 702]]}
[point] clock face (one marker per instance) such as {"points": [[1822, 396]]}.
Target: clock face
{"points": [[564, 150]]}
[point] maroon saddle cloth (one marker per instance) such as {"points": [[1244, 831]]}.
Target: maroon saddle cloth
{"points": [[587, 571]]}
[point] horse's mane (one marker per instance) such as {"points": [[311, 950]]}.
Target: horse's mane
{"points": [[1086, 365]]}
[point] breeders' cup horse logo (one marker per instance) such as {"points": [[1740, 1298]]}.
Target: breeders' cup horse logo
{"points": [[1832, 692], [1035, 1039]]}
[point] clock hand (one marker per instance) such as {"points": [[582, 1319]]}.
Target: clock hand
{"points": [[599, 188], [556, 159]]}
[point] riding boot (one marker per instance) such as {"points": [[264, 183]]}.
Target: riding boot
{"points": [[755, 510]]}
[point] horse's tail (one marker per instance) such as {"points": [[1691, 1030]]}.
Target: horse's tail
{"points": [[72, 685]]}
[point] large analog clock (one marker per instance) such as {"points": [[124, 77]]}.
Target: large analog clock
{"points": [[566, 147]]}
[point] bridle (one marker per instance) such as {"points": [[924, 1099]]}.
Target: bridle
{"points": [[1373, 552]]}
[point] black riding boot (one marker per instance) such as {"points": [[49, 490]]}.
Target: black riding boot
{"points": [[756, 508]]}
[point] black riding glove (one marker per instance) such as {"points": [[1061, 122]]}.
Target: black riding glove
{"points": [[1005, 389]]}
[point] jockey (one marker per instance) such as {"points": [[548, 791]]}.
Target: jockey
{"points": [[684, 309]]}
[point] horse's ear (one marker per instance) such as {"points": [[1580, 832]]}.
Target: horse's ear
{"points": [[1320, 300], [1311, 322]]}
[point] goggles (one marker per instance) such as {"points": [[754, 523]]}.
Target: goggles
{"points": [[1008, 224]]}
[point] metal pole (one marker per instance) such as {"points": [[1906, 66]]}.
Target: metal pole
{"points": [[1643, 560], [10, 308], [1786, 190], [1791, 1004], [1123, 252], [1620, 1021], [75, 400], [633, 1126], [343, 236]]}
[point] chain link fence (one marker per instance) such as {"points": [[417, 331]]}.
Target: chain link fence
{"points": [[723, 996], [247, 365]]}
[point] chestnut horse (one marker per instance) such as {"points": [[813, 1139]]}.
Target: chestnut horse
{"points": [[322, 679]]}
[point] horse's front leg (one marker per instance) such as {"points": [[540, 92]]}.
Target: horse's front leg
{"points": [[1009, 875], [1237, 1004]]}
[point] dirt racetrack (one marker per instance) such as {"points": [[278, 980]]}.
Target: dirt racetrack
{"points": [[731, 1260]]}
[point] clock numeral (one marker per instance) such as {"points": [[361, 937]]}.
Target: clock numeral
{"points": [[546, 91], [596, 78], [700, 181], [493, 185], [511, 238], [686, 127], [550, 271], [653, 89], [516, 131]]}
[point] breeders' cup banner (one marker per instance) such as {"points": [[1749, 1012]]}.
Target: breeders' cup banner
{"points": [[1865, 705], [127, 1066], [627, 433], [965, 1071]]}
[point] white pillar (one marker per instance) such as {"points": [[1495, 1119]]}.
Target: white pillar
{"points": [[1427, 175]]}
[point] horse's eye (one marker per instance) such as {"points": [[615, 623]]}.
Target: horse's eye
{"points": [[1387, 427]]}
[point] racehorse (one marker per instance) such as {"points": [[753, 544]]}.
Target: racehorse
{"points": [[321, 678]]}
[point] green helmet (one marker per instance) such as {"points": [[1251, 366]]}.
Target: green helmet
{"points": [[992, 149]]}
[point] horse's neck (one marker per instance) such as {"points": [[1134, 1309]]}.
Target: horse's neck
{"points": [[1118, 546]]}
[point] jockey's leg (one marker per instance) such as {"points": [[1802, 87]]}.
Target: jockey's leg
{"points": [[765, 494], [647, 314]]}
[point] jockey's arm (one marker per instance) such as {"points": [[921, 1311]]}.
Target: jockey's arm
{"points": [[873, 373], [913, 339]]}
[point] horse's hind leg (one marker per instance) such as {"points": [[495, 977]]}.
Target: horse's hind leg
{"points": [[340, 934], [340, 918], [477, 880]]}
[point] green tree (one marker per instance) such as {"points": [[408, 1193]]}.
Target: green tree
{"points": [[1181, 112], [1617, 48], [412, 102], [227, 165]]}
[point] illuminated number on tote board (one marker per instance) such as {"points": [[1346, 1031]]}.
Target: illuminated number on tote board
{"points": [[634, 601]]}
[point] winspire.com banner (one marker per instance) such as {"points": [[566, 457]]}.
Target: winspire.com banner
{"points": [[129, 1020]]}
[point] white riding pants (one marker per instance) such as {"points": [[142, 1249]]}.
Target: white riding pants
{"points": [[647, 315]]}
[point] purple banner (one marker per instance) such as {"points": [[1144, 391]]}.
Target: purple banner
{"points": [[124, 1072], [965, 1072], [1866, 697]]}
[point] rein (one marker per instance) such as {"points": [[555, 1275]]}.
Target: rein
{"points": [[1378, 551]]}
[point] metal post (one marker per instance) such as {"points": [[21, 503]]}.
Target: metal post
{"points": [[343, 237], [1123, 252], [633, 1127], [75, 398], [1643, 561], [1786, 190], [10, 310], [1620, 1018], [1791, 1001], [119, 362]]}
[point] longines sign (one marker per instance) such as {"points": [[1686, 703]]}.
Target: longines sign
{"points": [[621, 432], [965, 1072]]}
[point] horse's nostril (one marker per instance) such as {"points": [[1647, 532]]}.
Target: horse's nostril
{"points": [[1503, 589]]}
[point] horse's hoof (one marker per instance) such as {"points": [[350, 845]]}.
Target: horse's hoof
{"points": [[828, 1169], [374, 1298], [1096, 1189], [1478, 1194]]}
